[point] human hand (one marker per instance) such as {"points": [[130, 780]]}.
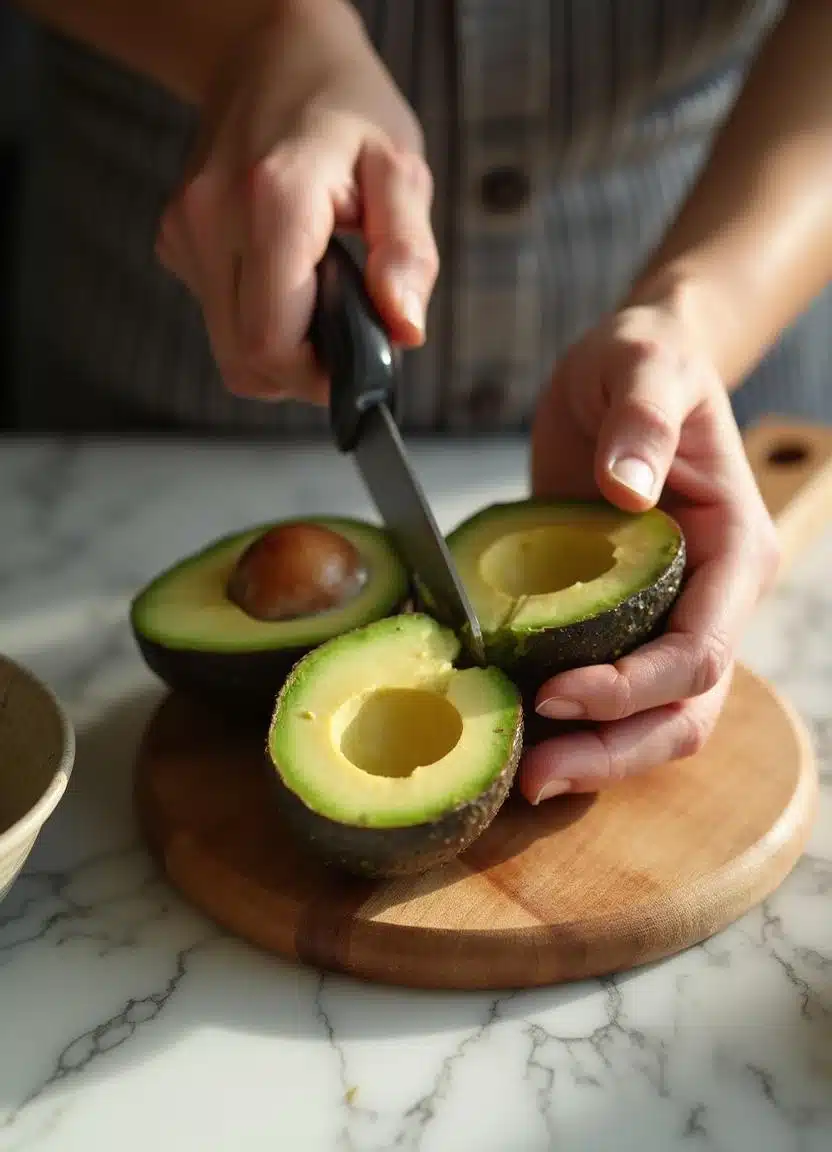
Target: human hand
{"points": [[636, 412], [305, 133]]}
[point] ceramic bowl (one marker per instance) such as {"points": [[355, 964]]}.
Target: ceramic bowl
{"points": [[37, 753]]}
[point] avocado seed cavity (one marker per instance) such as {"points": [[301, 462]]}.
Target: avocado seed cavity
{"points": [[295, 570], [540, 561], [396, 730]]}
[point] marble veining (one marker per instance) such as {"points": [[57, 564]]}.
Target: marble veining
{"points": [[128, 1020]]}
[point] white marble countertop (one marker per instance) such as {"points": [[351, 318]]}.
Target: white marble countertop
{"points": [[128, 1021]]}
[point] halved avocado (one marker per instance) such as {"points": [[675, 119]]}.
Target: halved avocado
{"points": [[192, 623], [387, 759], [562, 584]]}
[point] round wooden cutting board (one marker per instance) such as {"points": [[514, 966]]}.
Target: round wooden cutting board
{"points": [[577, 887]]}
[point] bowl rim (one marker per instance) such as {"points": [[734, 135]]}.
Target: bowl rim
{"points": [[33, 819]]}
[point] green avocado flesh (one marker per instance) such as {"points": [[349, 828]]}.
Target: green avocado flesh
{"points": [[387, 758], [194, 637], [562, 584], [388, 753]]}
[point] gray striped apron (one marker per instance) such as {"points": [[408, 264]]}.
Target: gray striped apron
{"points": [[562, 137]]}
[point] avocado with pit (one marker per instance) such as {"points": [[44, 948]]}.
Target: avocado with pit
{"points": [[563, 584], [387, 758], [230, 620]]}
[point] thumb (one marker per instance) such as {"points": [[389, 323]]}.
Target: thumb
{"points": [[402, 260], [640, 432]]}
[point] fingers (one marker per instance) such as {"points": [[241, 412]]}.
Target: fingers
{"points": [[249, 258], [193, 216], [291, 219], [649, 384], [250, 255], [689, 659], [402, 259], [675, 667], [665, 429], [639, 434], [589, 760]]}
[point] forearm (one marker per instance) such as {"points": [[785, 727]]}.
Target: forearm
{"points": [[752, 245], [180, 44]]}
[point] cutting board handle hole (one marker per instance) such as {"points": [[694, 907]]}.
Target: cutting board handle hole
{"points": [[786, 454]]}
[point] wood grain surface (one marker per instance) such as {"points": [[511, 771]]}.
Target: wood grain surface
{"points": [[792, 462], [580, 886]]}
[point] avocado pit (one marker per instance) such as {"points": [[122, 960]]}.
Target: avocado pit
{"points": [[228, 622], [295, 570]]}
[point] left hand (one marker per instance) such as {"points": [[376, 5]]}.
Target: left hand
{"points": [[638, 390]]}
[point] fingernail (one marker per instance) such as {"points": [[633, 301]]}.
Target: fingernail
{"points": [[552, 788], [635, 474], [411, 307], [559, 708]]}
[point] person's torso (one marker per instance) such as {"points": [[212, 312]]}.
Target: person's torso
{"points": [[561, 136]]}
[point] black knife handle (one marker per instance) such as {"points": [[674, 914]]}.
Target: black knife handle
{"points": [[351, 345]]}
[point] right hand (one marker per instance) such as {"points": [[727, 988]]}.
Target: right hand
{"points": [[306, 133]]}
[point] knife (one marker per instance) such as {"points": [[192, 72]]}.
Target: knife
{"points": [[352, 346]]}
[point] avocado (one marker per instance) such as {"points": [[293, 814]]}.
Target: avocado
{"points": [[387, 759], [563, 584], [230, 620]]}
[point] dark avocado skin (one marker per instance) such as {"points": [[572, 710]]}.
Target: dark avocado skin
{"points": [[599, 639], [385, 853], [536, 656], [240, 682], [246, 682]]}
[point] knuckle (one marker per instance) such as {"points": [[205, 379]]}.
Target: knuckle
{"points": [[417, 252], [657, 417], [428, 260], [694, 732], [712, 657], [612, 764], [638, 350], [620, 694], [405, 166], [655, 421], [273, 186], [287, 203], [409, 170], [408, 165]]}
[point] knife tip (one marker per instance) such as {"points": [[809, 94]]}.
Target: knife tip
{"points": [[472, 638]]}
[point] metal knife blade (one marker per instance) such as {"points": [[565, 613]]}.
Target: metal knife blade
{"points": [[395, 488], [352, 344]]}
